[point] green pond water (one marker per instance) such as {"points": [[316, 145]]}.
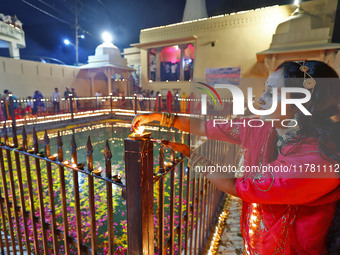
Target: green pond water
{"points": [[115, 132]]}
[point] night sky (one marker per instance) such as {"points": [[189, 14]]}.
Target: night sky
{"points": [[124, 19]]}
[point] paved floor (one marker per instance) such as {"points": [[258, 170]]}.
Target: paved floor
{"points": [[4, 251], [231, 241]]}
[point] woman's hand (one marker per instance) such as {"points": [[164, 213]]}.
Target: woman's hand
{"points": [[193, 125], [144, 119], [180, 147]]}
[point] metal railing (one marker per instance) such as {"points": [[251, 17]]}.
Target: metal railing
{"points": [[39, 221], [38, 224], [71, 107], [193, 200]]}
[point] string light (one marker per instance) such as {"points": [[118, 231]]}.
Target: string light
{"points": [[219, 227], [203, 19]]}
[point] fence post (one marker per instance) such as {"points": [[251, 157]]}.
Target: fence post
{"points": [[3, 109], [111, 105], [159, 102], [139, 196], [136, 106], [71, 106], [11, 110]]}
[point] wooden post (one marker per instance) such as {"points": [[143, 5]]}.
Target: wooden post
{"points": [[139, 196]]}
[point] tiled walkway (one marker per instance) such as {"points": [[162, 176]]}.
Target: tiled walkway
{"points": [[231, 241]]}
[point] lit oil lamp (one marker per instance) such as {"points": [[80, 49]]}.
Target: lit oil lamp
{"points": [[97, 171], [117, 178], [53, 157], [41, 154], [167, 164], [66, 162], [81, 166], [31, 151], [139, 133]]}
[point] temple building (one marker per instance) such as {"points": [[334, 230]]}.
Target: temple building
{"points": [[254, 42], [306, 34], [106, 71], [109, 62], [246, 45], [11, 35]]}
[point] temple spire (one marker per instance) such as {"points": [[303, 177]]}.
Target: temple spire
{"points": [[195, 9]]}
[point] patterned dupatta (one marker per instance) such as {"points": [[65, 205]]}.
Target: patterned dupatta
{"points": [[259, 146]]}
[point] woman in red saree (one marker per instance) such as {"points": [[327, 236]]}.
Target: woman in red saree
{"points": [[294, 211], [169, 98]]}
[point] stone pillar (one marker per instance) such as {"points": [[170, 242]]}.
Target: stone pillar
{"points": [[158, 63], [126, 76], [14, 50], [148, 64], [109, 72], [269, 62], [92, 77], [181, 63]]}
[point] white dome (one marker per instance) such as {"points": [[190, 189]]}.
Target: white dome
{"points": [[107, 53], [107, 48]]}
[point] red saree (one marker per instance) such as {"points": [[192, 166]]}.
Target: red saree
{"points": [[283, 213]]}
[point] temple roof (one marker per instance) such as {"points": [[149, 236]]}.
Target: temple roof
{"points": [[301, 32], [107, 55]]}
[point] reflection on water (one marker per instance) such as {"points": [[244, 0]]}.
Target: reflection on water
{"points": [[114, 132]]}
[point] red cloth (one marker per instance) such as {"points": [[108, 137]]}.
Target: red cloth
{"points": [[28, 109], [283, 212], [169, 97], [191, 104]]}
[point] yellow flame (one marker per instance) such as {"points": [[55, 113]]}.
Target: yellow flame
{"points": [[253, 217], [140, 130]]}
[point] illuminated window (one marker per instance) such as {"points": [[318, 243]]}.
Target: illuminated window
{"points": [[171, 67]]}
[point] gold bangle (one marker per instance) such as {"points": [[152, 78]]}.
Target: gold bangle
{"points": [[167, 120], [164, 118], [173, 120], [170, 119]]}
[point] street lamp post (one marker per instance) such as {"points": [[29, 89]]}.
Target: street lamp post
{"points": [[67, 42], [77, 36], [76, 46], [76, 28]]}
